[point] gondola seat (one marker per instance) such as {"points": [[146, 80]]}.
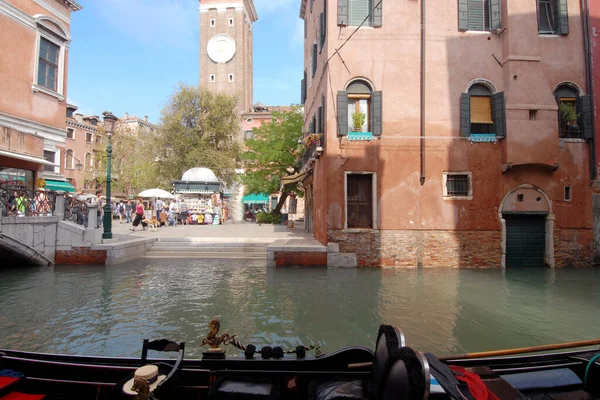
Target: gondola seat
{"points": [[168, 373], [236, 387], [397, 371]]}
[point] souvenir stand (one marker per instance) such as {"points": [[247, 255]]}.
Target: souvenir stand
{"points": [[203, 194]]}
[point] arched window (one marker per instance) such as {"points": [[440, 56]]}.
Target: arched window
{"points": [[569, 110], [359, 110], [482, 113], [69, 159], [88, 161]]}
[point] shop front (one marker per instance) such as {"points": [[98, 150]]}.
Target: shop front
{"points": [[202, 193]]}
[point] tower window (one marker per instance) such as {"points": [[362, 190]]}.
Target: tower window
{"points": [[212, 23], [212, 77], [230, 21], [567, 193], [230, 77]]}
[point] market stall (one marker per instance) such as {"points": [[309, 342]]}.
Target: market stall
{"points": [[203, 195]]}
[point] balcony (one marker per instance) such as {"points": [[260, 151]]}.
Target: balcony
{"points": [[313, 149]]}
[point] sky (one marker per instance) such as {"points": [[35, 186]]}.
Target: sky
{"points": [[130, 55]]}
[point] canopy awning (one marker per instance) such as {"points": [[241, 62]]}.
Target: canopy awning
{"points": [[255, 199], [59, 185], [24, 157], [299, 177], [360, 136]]}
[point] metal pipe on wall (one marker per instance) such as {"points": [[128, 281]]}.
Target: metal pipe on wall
{"points": [[423, 69], [585, 22]]}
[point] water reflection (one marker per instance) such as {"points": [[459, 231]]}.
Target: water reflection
{"points": [[109, 310]]}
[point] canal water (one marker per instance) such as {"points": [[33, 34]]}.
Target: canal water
{"points": [[109, 310]]}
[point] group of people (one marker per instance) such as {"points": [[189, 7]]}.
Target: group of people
{"points": [[21, 204]]}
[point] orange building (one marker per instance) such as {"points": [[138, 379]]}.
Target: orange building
{"points": [[442, 142], [34, 87]]}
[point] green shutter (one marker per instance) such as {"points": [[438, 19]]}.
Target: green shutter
{"points": [[342, 12], [495, 15], [342, 113], [376, 113], [378, 15], [311, 5], [476, 15], [303, 90], [562, 24], [323, 118], [465, 115], [499, 114], [321, 32], [463, 15], [586, 116], [314, 59]]}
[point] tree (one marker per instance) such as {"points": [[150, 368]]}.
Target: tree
{"points": [[273, 154], [198, 128]]}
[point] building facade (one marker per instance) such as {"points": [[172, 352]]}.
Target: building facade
{"points": [[226, 48], [34, 89], [82, 134], [456, 136]]}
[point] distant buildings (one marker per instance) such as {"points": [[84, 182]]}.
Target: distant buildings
{"points": [[442, 142], [34, 88]]}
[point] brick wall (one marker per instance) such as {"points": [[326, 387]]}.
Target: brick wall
{"points": [[81, 256], [300, 259], [573, 247], [448, 249]]}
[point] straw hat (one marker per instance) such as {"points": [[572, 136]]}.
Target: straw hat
{"points": [[149, 373]]}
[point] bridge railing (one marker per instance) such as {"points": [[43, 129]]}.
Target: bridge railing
{"points": [[76, 210], [19, 202]]}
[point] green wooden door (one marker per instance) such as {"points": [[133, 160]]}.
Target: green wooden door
{"points": [[525, 240]]}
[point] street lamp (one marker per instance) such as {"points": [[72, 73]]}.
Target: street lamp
{"points": [[109, 127]]}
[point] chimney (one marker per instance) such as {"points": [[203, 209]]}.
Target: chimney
{"points": [[79, 118], [126, 116], [146, 118]]}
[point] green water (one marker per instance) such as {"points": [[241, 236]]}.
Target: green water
{"points": [[109, 310]]}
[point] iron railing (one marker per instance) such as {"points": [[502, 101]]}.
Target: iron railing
{"points": [[19, 202], [76, 210], [309, 152]]}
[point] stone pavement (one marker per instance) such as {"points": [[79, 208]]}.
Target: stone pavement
{"points": [[230, 230]]}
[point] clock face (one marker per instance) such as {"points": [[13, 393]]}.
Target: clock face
{"points": [[221, 48]]}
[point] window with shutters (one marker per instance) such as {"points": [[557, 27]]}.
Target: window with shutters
{"points": [[360, 12], [359, 99], [360, 192], [88, 137], [248, 135], [574, 112], [482, 114], [553, 17], [314, 59], [457, 185], [479, 15], [70, 133]]}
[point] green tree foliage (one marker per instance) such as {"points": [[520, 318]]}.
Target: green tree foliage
{"points": [[273, 154], [198, 128]]}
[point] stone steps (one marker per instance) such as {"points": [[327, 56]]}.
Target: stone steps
{"points": [[207, 248], [206, 255]]}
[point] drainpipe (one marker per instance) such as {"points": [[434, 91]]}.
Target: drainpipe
{"points": [[585, 22], [423, 48]]}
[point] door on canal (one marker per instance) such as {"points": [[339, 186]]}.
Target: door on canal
{"points": [[525, 240]]}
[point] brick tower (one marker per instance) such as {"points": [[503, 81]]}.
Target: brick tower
{"points": [[226, 48]]}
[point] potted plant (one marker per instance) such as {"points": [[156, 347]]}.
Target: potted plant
{"points": [[568, 118], [358, 120]]}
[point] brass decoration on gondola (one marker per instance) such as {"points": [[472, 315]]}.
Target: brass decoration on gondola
{"points": [[212, 339]]}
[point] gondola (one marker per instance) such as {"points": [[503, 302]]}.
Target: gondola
{"points": [[392, 371]]}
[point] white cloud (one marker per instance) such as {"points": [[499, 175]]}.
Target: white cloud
{"points": [[172, 22]]}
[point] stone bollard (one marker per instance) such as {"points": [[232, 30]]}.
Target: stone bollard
{"points": [[92, 223], [59, 207]]}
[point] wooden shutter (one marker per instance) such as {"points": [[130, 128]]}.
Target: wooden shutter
{"points": [[321, 32], [323, 118], [562, 23], [342, 113], [376, 113], [303, 90], [495, 14], [476, 14], [359, 9], [586, 118], [311, 5], [465, 114], [499, 114], [314, 59], [463, 15], [342, 12], [378, 15]]}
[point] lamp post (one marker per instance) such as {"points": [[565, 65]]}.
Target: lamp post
{"points": [[109, 127]]}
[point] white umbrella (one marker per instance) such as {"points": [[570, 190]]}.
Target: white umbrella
{"points": [[163, 194]]}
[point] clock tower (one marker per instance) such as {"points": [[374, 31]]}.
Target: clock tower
{"points": [[226, 48]]}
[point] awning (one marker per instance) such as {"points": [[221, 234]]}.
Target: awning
{"points": [[59, 185], [24, 157], [483, 138], [299, 177], [360, 136], [194, 191], [255, 199]]}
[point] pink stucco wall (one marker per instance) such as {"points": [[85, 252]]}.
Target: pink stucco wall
{"points": [[388, 57]]}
